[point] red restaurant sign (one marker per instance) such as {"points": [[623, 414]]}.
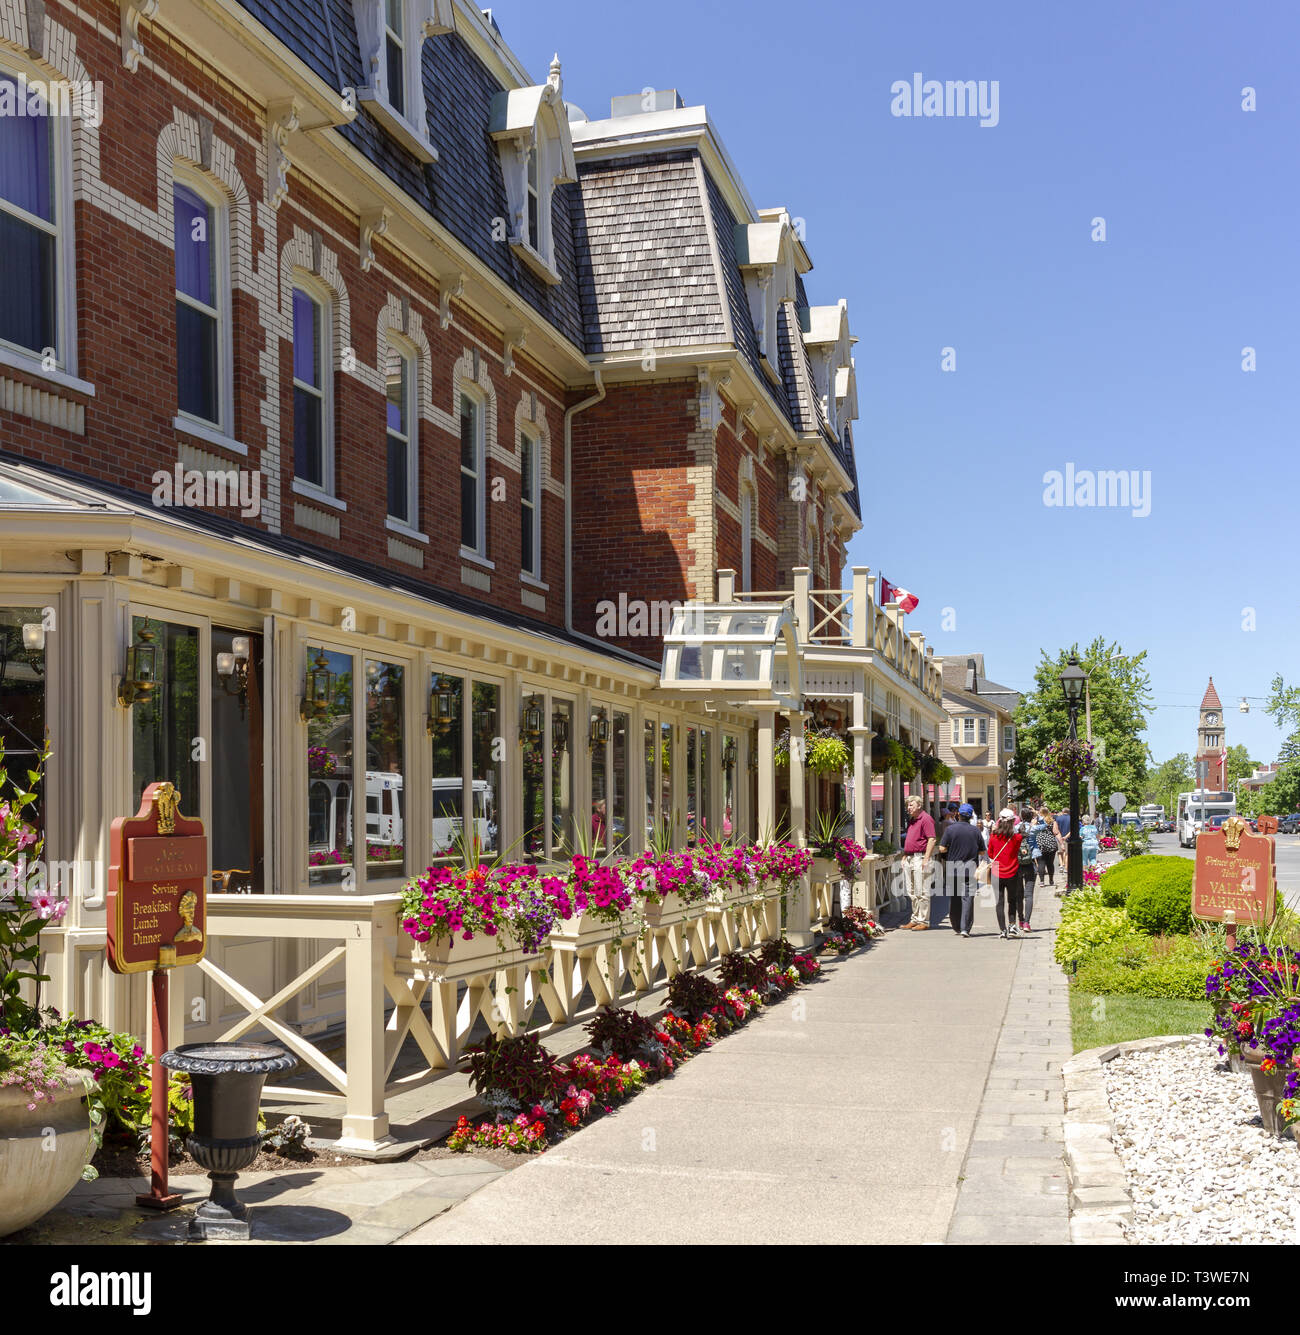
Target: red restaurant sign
{"points": [[1235, 870], [157, 886]]}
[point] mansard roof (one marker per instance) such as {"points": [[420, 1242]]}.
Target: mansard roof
{"points": [[464, 190]]}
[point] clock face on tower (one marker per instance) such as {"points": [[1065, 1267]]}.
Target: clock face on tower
{"points": [[1211, 718]]}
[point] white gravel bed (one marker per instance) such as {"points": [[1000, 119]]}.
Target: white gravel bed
{"points": [[1199, 1165]]}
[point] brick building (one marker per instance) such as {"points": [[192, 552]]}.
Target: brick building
{"points": [[334, 350]]}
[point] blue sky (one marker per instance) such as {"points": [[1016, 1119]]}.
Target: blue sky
{"points": [[1122, 354]]}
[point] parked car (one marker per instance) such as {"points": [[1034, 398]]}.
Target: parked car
{"points": [[1289, 824]]}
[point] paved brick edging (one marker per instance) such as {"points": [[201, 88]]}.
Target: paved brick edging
{"points": [[1100, 1204]]}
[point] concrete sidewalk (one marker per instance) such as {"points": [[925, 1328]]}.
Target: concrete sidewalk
{"points": [[845, 1114]]}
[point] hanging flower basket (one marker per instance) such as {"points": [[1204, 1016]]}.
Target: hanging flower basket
{"points": [[1068, 759]]}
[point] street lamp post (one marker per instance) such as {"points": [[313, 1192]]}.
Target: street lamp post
{"points": [[1074, 681]]}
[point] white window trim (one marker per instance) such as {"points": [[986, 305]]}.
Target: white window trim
{"points": [[310, 493], [420, 19], [1008, 737], [64, 371], [322, 296], [408, 523], [215, 197], [535, 504], [479, 400], [983, 732]]}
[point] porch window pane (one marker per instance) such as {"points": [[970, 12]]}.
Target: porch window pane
{"points": [[692, 790], [651, 777], [163, 728], [533, 737], [329, 775], [448, 711], [22, 700], [620, 775], [666, 778], [562, 742], [386, 797], [487, 766], [705, 810], [599, 825], [729, 786], [237, 798]]}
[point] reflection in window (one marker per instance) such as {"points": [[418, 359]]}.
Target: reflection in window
{"points": [[329, 768], [692, 769], [237, 781], [22, 696], [730, 746], [620, 776], [385, 795], [164, 726], [532, 730], [561, 778], [446, 714], [486, 766], [599, 781], [651, 778], [666, 777], [28, 226], [706, 811]]}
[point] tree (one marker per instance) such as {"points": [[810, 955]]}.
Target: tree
{"points": [[1167, 780], [1120, 691], [1239, 766]]}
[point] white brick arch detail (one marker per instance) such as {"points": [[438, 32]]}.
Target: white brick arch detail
{"points": [[462, 373], [296, 253], [181, 139], [524, 418], [390, 322]]}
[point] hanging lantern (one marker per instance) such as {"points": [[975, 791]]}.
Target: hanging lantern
{"points": [[599, 733], [559, 732], [319, 690], [530, 725], [140, 675]]}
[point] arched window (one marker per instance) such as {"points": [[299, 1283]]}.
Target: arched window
{"points": [[313, 386], [746, 539], [400, 375], [37, 297], [203, 337], [473, 467]]}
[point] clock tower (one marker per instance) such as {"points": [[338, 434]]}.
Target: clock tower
{"points": [[1211, 743]]}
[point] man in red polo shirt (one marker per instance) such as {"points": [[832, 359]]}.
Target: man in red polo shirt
{"points": [[918, 844]]}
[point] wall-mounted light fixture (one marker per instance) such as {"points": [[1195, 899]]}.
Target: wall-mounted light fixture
{"points": [[729, 754], [319, 689], [530, 722], [140, 674], [559, 732], [444, 707], [599, 733], [232, 671]]}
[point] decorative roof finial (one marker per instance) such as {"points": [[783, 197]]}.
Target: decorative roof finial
{"points": [[555, 80]]}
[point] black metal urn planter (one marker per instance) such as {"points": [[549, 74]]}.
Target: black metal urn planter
{"points": [[227, 1080]]}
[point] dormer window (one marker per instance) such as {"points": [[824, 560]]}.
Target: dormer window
{"points": [[531, 129], [391, 34], [770, 257]]}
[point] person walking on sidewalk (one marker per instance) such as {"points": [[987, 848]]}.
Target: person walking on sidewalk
{"points": [[1048, 846], [1029, 860], [1004, 852], [1091, 844], [918, 846], [962, 846]]}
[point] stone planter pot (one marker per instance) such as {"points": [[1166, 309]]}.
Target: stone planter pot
{"points": [[227, 1080], [33, 1177], [1270, 1090]]}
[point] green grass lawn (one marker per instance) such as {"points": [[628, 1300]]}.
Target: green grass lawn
{"points": [[1096, 1021]]}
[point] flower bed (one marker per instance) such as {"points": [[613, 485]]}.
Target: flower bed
{"points": [[538, 1099]]}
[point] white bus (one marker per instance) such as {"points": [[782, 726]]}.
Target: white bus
{"points": [[330, 813], [1196, 807], [1150, 814]]}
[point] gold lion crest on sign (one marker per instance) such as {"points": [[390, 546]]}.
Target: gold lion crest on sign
{"points": [[166, 802], [1233, 828]]}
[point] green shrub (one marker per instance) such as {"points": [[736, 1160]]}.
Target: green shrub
{"points": [[1160, 896], [1169, 967], [1087, 923], [1113, 894], [1126, 876]]}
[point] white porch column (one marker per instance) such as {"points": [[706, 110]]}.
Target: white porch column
{"points": [[861, 797], [766, 774], [798, 907]]}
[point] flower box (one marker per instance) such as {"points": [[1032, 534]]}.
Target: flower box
{"points": [[672, 909], [590, 930], [449, 959]]}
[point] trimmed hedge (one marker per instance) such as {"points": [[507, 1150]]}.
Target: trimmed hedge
{"points": [[1159, 898], [1170, 967]]}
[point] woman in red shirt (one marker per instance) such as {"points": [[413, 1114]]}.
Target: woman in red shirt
{"points": [[1004, 853]]}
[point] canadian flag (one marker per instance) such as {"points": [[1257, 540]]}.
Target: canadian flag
{"points": [[891, 593]]}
